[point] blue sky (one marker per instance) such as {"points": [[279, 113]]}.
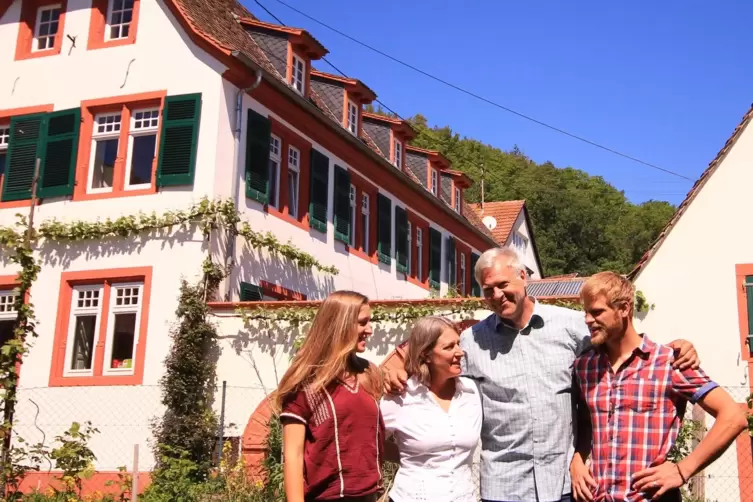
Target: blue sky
{"points": [[666, 82]]}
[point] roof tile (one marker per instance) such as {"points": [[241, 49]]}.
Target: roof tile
{"points": [[505, 212]]}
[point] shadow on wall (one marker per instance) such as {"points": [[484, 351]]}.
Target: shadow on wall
{"points": [[62, 254], [253, 265]]}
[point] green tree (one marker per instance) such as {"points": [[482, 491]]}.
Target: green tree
{"points": [[582, 223]]}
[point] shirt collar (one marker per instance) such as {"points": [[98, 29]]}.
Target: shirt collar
{"points": [[536, 319], [414, 386], [643, 350]]}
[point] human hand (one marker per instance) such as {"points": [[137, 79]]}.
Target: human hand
{"points": [[394, 380], [583, 483], [687, 357], [658, 480]]}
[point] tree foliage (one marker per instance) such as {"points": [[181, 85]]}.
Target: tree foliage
{"points": [[581, 223]]}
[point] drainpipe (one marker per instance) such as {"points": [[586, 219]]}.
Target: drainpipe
{"points": [[230, 252]]}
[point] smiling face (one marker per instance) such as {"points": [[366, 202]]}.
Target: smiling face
{"points": [[364, 327], [504, 290], [605, 322], [444, 358]]}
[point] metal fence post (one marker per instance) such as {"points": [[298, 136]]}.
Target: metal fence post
{"points": [[135, 474], [221, 427]]}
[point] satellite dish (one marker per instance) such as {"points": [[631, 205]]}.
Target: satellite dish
{"points": [[490, 222]]}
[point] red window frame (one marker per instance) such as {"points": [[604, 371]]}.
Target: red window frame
{"points": [[107, 277], [27, 25], [98, 26]]}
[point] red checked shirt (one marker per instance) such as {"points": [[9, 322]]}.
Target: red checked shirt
{"points": [[636, 413]]}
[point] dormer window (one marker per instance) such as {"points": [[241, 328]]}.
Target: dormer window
{"points": [[298, 77], [457, 200], [352, 117], [398, 156], [434, 182]]}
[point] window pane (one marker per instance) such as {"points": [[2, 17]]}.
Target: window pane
{"points": [[365, 233], [293, 193], [122, 341], [116, 18], [55, 15], [142, 158], [2, 162], [6, 331], [83, 342], [104, 163], [46, 15], [273, 183]]}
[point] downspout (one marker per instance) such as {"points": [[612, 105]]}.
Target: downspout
{"points": [[230, 252]]}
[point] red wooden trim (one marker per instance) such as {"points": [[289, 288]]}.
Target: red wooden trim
{"points": [[26, 27], [98, 26], [60, 340]]}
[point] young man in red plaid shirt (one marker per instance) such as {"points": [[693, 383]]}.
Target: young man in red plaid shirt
{"points": [[631, 404]]}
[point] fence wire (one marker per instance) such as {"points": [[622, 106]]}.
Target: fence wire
{"points": [[124, 416]]}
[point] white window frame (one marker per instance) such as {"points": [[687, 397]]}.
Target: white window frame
{"points": [[352, 119], [352, 197], [434, 182], [86, 311], [38, 24], [151, 129], [457, 200], [112, 310], [102, 135], [419, 253], [461, 279], [365, 212], [275, 155], [294, 166], [298, 75], [398, 155], [8, 311], [109, 25], [410, 241]]}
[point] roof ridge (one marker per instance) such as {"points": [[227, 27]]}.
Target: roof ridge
{"points": [[692, 193]]}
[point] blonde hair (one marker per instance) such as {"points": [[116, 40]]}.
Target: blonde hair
{"points": [[616, 288], [328, 350], [422, 340]]}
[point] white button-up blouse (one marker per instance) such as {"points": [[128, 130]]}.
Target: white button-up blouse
{"points": [[436, 447]]}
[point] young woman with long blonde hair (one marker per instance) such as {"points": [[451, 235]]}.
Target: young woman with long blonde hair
{"points": [[328, 403]]}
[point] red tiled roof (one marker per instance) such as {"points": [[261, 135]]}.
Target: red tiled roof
{"points": [[505, 212], [699, 184], [473, 219]]}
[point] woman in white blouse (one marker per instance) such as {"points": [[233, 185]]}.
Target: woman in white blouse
{"points": [[436, 424]]}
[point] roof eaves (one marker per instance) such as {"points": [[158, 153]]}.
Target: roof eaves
{"points": [[697, 186]]}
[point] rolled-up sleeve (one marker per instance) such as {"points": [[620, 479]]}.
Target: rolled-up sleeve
{"points": [[296, 407], [691, 384]]}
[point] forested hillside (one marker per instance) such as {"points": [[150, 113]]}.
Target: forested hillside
{"points": [[581, 223]]}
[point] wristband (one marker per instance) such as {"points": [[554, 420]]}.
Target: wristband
{"points": [[684, 481]]}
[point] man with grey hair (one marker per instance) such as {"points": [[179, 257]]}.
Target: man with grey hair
{"points": [[521, 357]]}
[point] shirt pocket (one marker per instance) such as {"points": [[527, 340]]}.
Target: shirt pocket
{"points": [[641, 398]]}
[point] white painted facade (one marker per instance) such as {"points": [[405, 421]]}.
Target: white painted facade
{"points": [[692, 285], [521, 239], [162, 58]]}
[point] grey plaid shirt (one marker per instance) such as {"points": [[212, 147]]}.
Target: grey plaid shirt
{"points": [[525, 380]]}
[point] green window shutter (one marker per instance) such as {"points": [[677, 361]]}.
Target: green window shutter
{"points": [[435, 258], [27, 142], [342, 205], [401, 239], [178, 140], [258, 132], [250, 292], [384, 229], [475, 286], [749, 302], [451, 258], [319, 191], [58, 172]]}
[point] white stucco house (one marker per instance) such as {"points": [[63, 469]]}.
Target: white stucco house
{"points": [[703, 292], [150, 106]]}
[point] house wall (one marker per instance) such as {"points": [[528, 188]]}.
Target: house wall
{"points": [[376, 280], [529, 257], [691, 281]]}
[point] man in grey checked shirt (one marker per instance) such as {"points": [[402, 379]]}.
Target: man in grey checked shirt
{"points": [[521, 357]]}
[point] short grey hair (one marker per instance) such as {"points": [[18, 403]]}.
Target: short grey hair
{"points": [[489, 258]]}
